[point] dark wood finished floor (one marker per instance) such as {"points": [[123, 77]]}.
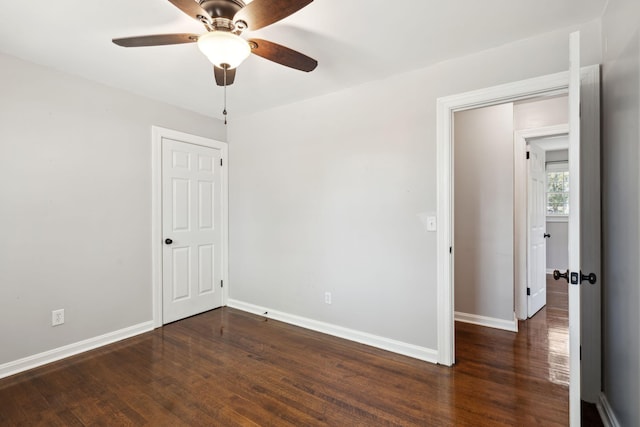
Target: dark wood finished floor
{"points": [[229, 368]]}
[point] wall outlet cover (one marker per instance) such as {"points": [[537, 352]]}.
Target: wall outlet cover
{"points": [[57, 317]]}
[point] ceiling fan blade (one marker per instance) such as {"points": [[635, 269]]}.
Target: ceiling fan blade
{"points": [[156, 40], [219, 73], [193, 9], [282, 55], [260, 13]]}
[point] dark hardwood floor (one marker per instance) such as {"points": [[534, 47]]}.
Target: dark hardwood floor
{"points": [[230, 368]]}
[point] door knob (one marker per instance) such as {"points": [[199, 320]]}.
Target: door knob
{"points": [[168, 241], [557, 275], [590, 277], [547, 235]]}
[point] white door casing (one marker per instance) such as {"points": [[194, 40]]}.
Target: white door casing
{"points": [[190, 200], [555, 84], [536, 230], [551, 85]]}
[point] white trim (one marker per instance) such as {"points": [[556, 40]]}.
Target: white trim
{"points": [[417, 352], [551, 270], [157, 135], [606, 412], [444, 235], [554, 84], [156, 225], [30, 362], [520, 140], [490, 322]]}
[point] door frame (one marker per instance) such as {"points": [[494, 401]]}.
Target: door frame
{"points": [[157, 135], [521, 209], [555, 84], [550, 85]]}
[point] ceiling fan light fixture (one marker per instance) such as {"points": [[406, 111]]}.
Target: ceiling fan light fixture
{"points": [[224, 49]]}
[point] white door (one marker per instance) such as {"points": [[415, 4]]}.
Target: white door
{"points": [[536, 230], [584, 234], [191, 228]]}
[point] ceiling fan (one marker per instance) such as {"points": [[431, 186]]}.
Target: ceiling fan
{"points": [[225, 20]]}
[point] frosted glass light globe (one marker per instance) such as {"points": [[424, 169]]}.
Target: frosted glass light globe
{"points": [[224, 48]]}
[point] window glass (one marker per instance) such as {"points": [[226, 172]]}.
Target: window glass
{"points": [[557, 189]]}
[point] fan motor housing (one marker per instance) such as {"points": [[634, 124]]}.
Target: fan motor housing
{"points": [[222, 8]]}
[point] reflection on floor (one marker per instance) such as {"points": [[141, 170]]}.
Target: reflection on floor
{"points": [[536, 357], [227, 368], [553, 320]]}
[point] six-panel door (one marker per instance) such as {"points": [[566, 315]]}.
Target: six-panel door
{"points": [[192, 229]]}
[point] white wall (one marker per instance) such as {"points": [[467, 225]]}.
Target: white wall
{"points": [[538, 113], [621, 209], [326, 194], [557, 246], [75, 186], [483, 211]]}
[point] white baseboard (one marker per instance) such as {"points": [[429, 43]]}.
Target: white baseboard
{"points": [[606, 412], [417, 352], [490, 322], [550, 270], [30, 362]]}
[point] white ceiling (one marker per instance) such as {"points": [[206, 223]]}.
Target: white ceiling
{"points": [[354, 41]]}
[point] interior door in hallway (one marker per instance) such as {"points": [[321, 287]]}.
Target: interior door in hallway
{"points": [[192, 268], [536, 230]]}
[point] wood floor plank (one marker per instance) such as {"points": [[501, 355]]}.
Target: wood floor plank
{"points": [[230, 368]]}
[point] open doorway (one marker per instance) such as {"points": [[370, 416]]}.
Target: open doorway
{"points": [[547, 244], [500, 240], [584, 220], [493, 257], [541, 220], [558, 185]]}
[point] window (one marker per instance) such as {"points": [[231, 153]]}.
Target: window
{"points": [[558, 189]]}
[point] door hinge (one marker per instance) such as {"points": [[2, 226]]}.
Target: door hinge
{"points": [[528, 155], [220, 162], [528, 291], [450, 249], [222, 283], [580, 352]]}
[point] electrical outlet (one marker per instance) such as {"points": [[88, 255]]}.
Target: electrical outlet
{"points": [[327, 297], [57, 317], [431, 223]]}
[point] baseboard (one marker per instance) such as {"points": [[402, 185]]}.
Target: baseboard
{"points": [[30, 362], [490, 322], [550, 270], [606, 412], [417, 352]]}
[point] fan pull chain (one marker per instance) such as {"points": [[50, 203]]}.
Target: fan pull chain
{"points": [[224, 111]]}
